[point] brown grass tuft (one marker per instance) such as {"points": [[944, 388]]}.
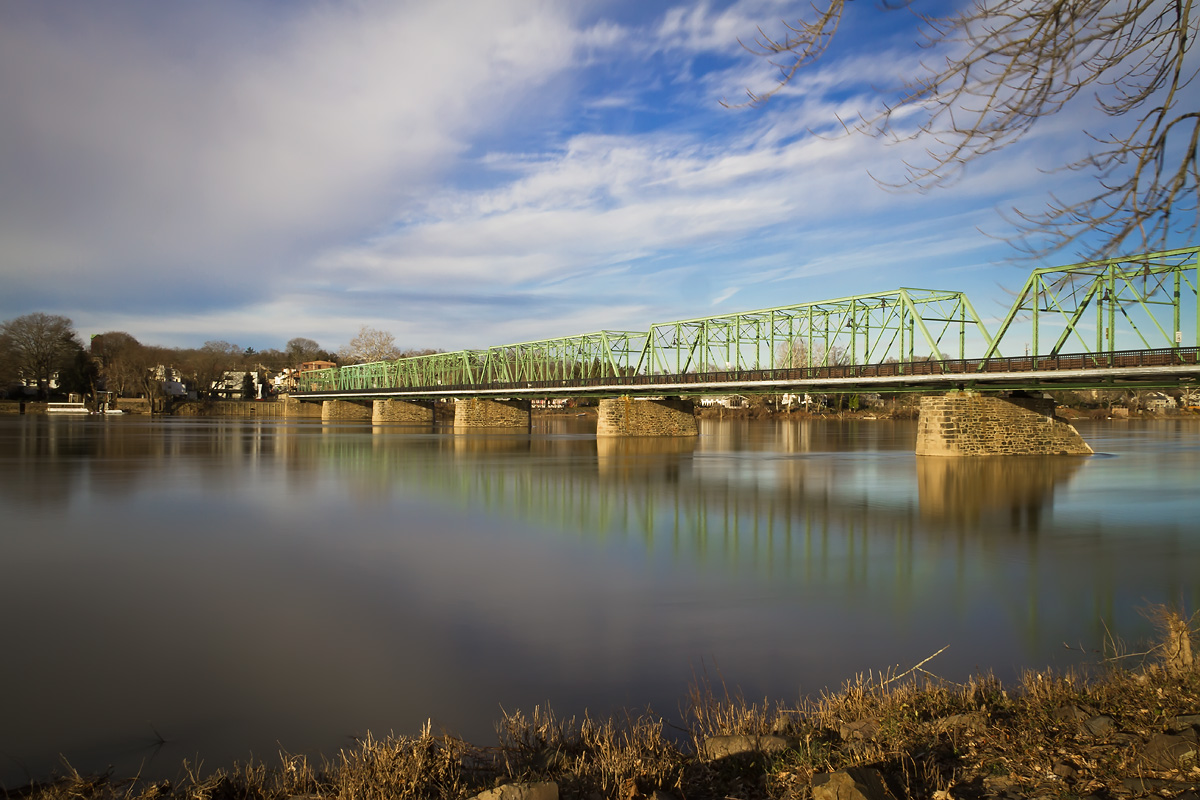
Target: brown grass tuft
{"points": [[1177, 632]]}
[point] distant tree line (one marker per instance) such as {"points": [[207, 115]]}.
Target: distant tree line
{"points": [[42, 354]]}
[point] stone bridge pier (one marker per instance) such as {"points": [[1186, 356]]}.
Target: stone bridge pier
{"points": [[971, 424], [477, 413], [410, 412], [345, 409], [627, 416]]}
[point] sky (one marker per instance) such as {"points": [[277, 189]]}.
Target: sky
{"points": [[470, 172]]}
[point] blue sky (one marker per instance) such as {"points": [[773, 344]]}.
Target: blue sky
{"points": [[465, 174]]}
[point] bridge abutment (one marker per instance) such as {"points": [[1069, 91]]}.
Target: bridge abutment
{"points": [[627, 416], [476, 412], [345, 409], [410, 412], [970, 424], [296, 408]]}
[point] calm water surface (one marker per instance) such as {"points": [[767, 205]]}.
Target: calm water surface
{"points": [[238, 587]]}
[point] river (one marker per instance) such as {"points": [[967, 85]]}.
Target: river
{"points": [[217, 589]]}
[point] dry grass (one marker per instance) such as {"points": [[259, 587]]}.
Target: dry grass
{"points": [[1051, 735]]}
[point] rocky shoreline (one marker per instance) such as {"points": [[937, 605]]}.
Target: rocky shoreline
{"points": [[1115, 732]]}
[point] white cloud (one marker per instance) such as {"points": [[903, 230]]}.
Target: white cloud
{"points": [[133, 155]]}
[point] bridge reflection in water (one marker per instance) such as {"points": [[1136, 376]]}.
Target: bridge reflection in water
{"points": [[831, 514], [839, 512], [999, 491], [836, 512], [372, 577]]}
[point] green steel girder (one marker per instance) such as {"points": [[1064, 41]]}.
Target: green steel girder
{"points": [[590, 355], [1138, 300], [603, 354], [1142, 301], [904, 325]]}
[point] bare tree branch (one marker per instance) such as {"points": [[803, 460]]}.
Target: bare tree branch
{"points": [[1009, 64]]}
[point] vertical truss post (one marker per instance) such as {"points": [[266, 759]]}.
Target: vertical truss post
{"points": [[1175, 321], [1112, 308], [1037, 306]]}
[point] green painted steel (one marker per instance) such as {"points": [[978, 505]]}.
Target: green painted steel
{"points": [[1144, 301], [603, 354], [899, 326], [1140, 302]]}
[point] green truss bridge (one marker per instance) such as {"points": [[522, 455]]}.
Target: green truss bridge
{"points": [[1132, 321]]}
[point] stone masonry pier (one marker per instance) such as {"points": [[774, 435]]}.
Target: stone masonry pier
{"points": [[970, 424], [626, 416], [411, 412], [294, 408], [475, 412], [345, 409]]}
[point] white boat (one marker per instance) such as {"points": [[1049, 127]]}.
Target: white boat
{"points": [[67, 408]]}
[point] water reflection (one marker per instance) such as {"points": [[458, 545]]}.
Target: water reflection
{"points": [[293, 582], [1012, 492]]}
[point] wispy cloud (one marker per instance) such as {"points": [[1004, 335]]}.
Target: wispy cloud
{"points": [[130, 152]]}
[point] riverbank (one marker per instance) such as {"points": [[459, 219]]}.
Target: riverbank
{"points": [[444, 412], [1128, 729]]}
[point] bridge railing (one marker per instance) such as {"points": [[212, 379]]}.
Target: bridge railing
{"points": [[967, 368]]}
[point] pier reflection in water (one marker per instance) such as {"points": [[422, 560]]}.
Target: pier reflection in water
{"points": [[242, 585], [994, 492]]}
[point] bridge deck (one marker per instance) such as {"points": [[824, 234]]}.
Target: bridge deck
{"points": [[1163, 368]]}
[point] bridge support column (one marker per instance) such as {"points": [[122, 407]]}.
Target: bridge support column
{"points": [[476, 413], [345, 409], [295, 408], [412, 412], [626, 416], [970, 424]]}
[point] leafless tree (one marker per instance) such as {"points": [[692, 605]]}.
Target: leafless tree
{"points": [[1007, 64], [208, 364], [38, 345], [794, 354], [369, 345]]}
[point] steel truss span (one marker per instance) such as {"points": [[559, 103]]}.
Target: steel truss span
{"points": [[1141, 312]]}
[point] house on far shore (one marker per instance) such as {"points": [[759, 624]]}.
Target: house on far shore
{"points": [[288, 380], [1158, 402]]}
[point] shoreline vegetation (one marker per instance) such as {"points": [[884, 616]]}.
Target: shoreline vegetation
{"points": [[1126, 727]]}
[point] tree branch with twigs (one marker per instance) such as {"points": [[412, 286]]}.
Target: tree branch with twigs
{"points": [[1009, 64]]}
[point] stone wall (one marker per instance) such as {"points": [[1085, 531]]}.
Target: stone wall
{"points": [[969, 424], [412, 412], [626, 416], [344, 409], [476, 412], [295, 408], [20, 407], [133, 405], [230, 408]]}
